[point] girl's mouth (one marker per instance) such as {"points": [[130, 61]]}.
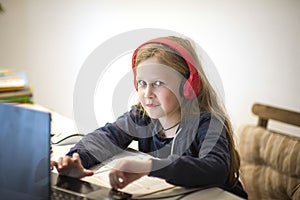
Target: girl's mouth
{"points": [[151, 105]]}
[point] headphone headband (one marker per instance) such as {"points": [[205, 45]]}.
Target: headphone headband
{"points": [[193, 84]]}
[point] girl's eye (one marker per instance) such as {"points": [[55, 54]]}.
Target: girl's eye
{"points": [[141, 83], [158, 83]]}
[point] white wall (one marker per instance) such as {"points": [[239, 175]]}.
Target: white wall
{"points": [[254, 44]]}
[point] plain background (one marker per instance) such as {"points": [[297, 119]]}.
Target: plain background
{"points": [[254, 44]]}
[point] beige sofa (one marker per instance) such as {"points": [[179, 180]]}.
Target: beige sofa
{"points": [[270, 161]]}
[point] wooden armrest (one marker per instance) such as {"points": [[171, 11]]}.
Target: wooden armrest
{"points": [[265, 113]]}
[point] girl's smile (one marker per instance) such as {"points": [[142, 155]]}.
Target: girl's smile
{"points": [[151, 105]]}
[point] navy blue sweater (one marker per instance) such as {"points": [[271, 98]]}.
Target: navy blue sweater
{"points": [[198, 156]]}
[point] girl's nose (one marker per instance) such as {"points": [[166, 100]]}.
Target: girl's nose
{"points": [[148, 93]]}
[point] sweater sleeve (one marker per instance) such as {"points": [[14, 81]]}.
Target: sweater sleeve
{"points": [[209, 164], [106, 141]]}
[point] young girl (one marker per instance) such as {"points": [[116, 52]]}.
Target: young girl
{"points": [[179, 120]]}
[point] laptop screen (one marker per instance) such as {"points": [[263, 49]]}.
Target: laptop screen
{"points": [[24, 153]]}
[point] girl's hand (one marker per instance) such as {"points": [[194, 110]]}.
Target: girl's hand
{"points": [[127, 171], [71, 166]]}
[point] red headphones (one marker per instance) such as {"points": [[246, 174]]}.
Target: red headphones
{"points": [[193, 84]]}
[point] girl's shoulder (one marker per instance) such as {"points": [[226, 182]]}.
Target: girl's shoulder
{"points": [[204, 119], [204, 123]]}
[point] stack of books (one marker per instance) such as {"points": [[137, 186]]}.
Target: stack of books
{"points": [[14, 87]]}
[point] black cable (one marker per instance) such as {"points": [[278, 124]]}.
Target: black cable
{"points": [[67, 137]]}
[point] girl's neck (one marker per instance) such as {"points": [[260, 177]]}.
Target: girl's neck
{"points": [[170, 125], [170, 132]]}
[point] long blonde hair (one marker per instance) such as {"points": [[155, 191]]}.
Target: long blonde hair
{"points": [[207, 98]]}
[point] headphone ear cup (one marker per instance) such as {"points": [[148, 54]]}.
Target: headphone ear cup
{"points": [[191, 88], [186, 89]]}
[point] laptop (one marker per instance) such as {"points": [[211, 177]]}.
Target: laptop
{"points": [[25, 161]]}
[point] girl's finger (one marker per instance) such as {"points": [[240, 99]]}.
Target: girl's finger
{"points": [[88, 172], [60, 162], [65, 161], [113, 180], [53, 164]]}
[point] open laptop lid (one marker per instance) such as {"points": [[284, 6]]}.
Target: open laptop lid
{"points": [[25, 160], [24, 153]]}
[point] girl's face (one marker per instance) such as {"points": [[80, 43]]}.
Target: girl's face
{"points": [[158, 90]]}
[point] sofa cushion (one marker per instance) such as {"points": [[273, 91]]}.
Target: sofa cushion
{"points": [[270, 163]]}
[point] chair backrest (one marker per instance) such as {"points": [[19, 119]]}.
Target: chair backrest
{"points": [[270, 161], [265, 112]]}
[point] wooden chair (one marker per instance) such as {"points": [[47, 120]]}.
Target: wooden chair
{"points": [[270, 160]]}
